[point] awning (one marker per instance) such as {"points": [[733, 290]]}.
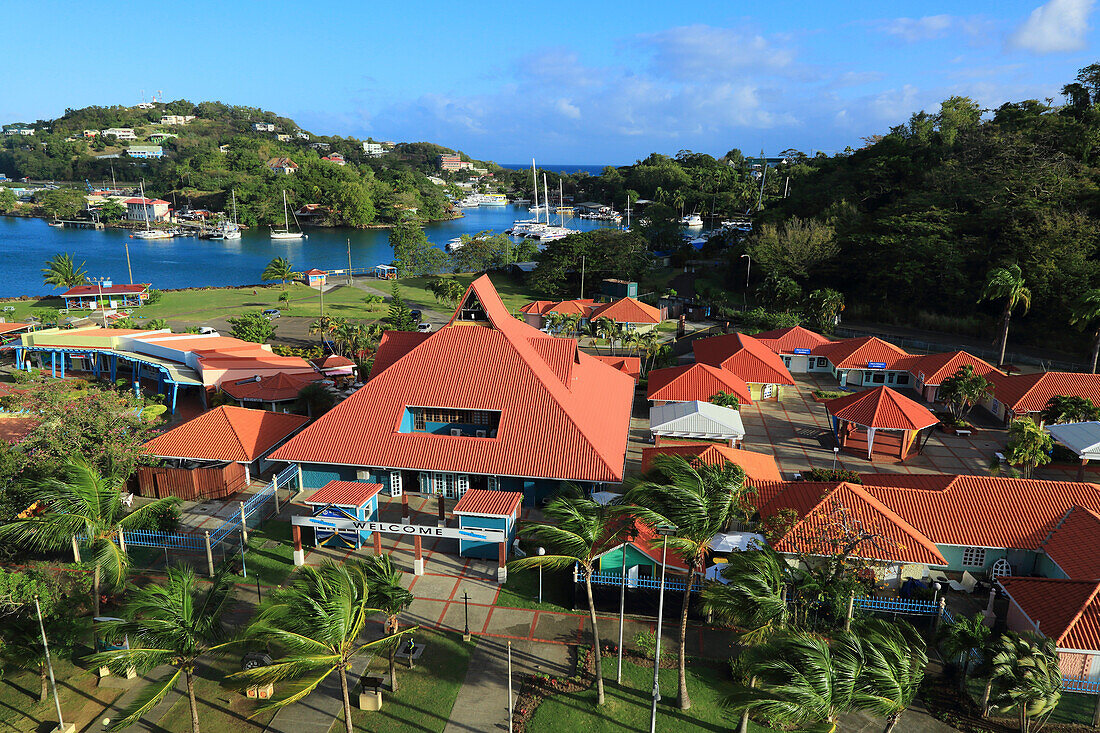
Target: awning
{"points": [[696, 419]]}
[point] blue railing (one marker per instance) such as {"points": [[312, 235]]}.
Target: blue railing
{"points": [[617, 580], [898, 605], [167, 540], [1079, 684]]}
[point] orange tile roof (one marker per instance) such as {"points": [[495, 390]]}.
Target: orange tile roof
{"points": [[758, 466], [881, 407], [332, 361], [649, 543], [1024, 393], [695, 382], [572, 428], [579, 306], [628, 310], [856, 353], [744, 356], [393, 346], [344, 493], [1073, 544], [9, 327], [631, 365], [786, 340], [1067, 611], [938, 367], [821, 506], [486, 501], [275, 388], [226, 434]]}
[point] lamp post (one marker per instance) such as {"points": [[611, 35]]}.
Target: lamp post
{"points": [[664, 530], [836, 452], [622, 615], [466, 609], [49, 666], [748, 269], [541, 551], [102, 309], [244, 570]]}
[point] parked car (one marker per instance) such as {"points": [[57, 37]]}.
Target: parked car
{"points": [[208, 331], [423, 327], [272, 313], [416, 315]]}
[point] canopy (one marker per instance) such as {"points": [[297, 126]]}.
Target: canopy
{"points": [[736, 541], [881, 408], [1083, 438], [604, 497], [696, 419]]}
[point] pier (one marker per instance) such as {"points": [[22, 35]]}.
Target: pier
{"points": [[80, 224]]}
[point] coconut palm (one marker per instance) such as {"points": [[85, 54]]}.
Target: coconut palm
{"points": [[177, 624], [571, 323], [1085, 314], [894, 659], [700, 501], [83, 503], [21, 648], [1028, 446], [592, 330], [316, 619], [963, 636], [388, 594], [1062, 409], [278, 269], [648, 343], [964, 389], [315, 399], [1007, 284], [755, 596], [553, 321], [1026, 678], [582, 530], [61, 272]]}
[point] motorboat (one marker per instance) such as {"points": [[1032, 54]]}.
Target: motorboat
{"points": [[692, 220]]}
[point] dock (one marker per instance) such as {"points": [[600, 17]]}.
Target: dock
{"points": [[80, 224]]}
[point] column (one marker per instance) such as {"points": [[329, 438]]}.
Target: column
{"points": [[378, 542], [418, 556], [175, 390], [1081, 469], [405, 518], [502, 567], [61, 361], [53, 364], [442, 519], [299, 553]]}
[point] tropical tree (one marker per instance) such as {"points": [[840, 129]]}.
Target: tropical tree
{"points": [[553, 321], [156, 324], [389, 595], [1007, 284], [446, 290], [592, 330], [253, 326], [315, 399], [85, 506], [726, 399], [400, 316], [1085, 314], [894, 659], [583, 530], [571, 322], [1026, 678], [61, 272], [1061, 409], [964, 389], [648, 343], [1029, 446], [176, 624], [278, 269], [755, 594], [963, 636], [316, 618], [700, 501], [284, 298], [826, 306]]}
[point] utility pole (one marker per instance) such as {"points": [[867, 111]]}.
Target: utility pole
{"points": [[49, 666], [126, 244], [582, 277]]}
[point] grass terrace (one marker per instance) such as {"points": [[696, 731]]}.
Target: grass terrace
{"points": [[522, 591]]}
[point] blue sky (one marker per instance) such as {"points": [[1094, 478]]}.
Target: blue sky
{"points": [[566, 82]]}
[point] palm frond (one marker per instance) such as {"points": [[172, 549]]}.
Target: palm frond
{"points": [[146, 701]]}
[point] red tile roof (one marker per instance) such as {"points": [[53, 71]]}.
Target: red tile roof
{"points": [[627, 310], [937, 367], [631, 365], [486, 501], [344, 493], [1067, 611], [9, 327], [146, 201], [1024, 393], [79, 290], [276, 388], [541, 307], [393, 346], [315, 271], [564, 415], [14, 429], [695, 382], [651, 544], [858, 352], [332, 361], [786, 340], [822, 507], [226, 434], [881, 407], [744, 356], [758, 466], [1073, 544]]}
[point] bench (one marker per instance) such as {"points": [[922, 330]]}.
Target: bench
{"points": [[962, 432], [999, 456]]}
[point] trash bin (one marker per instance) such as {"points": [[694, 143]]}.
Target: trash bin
{"points": [[370, 693]]}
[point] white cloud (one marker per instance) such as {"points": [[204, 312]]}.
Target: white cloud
{"points": [[1057, 26], [567, 109], [932, 27], [697, 52]]}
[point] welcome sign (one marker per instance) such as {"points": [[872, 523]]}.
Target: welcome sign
{"points": [[409, 530]]}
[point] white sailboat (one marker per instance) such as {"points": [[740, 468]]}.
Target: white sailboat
{"points": [[228, 230], [529, 227], [149, 232], [285, 232]]}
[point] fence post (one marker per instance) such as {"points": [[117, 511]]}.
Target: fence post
{"points": [[76, 549], [939, 613], [209, 554], [1096, 713], [122, 541], [244, 523], [851, 609], [275, 492]]}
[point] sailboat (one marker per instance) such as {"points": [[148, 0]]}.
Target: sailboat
{"points": [[148, 232], [228, 230], [285, 232], [528, 227]]}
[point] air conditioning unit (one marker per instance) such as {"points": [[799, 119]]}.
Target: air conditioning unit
{"points": [[481, 433], [456, 431], [362, 475]]}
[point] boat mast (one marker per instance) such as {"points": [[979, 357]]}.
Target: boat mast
{"points": [[233, 193], [286, 216], [535, 178], [144, 204], [545, 197], [561, 203]]}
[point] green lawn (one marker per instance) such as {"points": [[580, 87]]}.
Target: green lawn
{"points": [[270, 556], [82, 701], [522, 591], [1074, 707], [415, 290], [425, 693], [627, 708], [222, 708]]}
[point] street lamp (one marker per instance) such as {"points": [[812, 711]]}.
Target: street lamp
{"points": [[748, 268], [102, 308], [466, 609], [836, 451], [664, 530], [542, 551]]}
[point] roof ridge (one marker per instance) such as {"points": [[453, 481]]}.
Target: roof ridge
{"points": [[1080, 611], [233, 428]]}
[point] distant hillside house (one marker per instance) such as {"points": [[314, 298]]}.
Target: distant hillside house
{"points": [[19, 131], [176, 119], [161, 136], [223, 149], [302, 135], [145, 151], [453, 163], [282, 166], [374, 150], [335, 158], [122, 133], [283, 138], [263, 126], [320, 146], [91, 133], [137, 208]]}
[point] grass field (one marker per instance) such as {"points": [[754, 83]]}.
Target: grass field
{"points": [[81, 699], [222, 708], [270, 556], [1074, 708], [425, 693], [522, 591]]}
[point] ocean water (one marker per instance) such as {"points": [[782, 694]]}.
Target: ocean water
{"points": [[26, 244], [592, 170]]}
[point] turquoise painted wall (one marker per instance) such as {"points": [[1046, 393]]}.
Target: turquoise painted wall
{"points": [[1023, 562], [406, 422], [314, 475], [1049, 569], [612, 562], [488, 550]]}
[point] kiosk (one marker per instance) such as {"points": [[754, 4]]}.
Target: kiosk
{"points": [[485, 509], [352, 500]]}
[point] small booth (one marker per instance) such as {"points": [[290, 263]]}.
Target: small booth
{"points": [[385, 272], [316, 278], [488, 509], [352, 500], [880, 421], [696, 420]]}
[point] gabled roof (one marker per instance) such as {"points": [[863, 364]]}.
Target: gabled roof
{"points": [[226, 434], [857, 353], [315, 271], [111, 290], [696, 381], [938, 367], [822, 507], [786, 340], [696, 419], [881, 407], [744, 356], [1067, 611], [758, 466], [631, 365], [343, 493], [628, 310], [646, 541], [332, 362], [281, 163], [393, 346], [1023, 393], [275, 388], [563, 414], [486, 501], [580, 307], [1073, 544], [138, 199], [9, 327]]}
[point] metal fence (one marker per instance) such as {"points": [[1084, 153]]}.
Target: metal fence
{"points": [[617, 580]]}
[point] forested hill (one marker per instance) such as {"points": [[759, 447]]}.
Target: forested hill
{"points": [[219, 151]]}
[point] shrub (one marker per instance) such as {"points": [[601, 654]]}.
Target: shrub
{"points": [[22, 377], [759, 319], [831, 474], [646, 642], [154, 296], [828, 394]]}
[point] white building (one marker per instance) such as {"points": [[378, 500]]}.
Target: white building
{"points": [[122, 133], [263, 126], [19, 131], [176, 119], [302, 135], [136, 209], [374, 150], [145, 151]]}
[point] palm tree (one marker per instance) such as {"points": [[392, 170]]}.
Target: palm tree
{"points": [[964, 389], [61, 272], [21, 648], [446, 290], [755, 598], [963, 636], [316, 619], [592, 330], [553, 322], [894, 659], [583, 530], [1062, 409], [726, 399], [648, 342], [1007, 284], [278, 269], [1085, 314], [175, 624], [1028, 446], [315, 399], [387, 593], [700, 501], [85, 504], [1026, 678], [571, 322], [828, 305], [609, 330]]}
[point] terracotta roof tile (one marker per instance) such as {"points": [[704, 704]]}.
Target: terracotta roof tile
{"points": [[938, 367], [393, 346], [695, 382], [628, 310], [786, 340], [486, 501], [111, 290], [744, 356], [1024, 393], [275, 388], [344, 493], [881, 407], [1067, 611], [1073, 544], [226, 434], [631, 365], [857, 353], [758, 466]]}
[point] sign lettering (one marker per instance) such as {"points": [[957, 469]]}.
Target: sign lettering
{"points": [[876, 365], [409, 530], [801, 352]]}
